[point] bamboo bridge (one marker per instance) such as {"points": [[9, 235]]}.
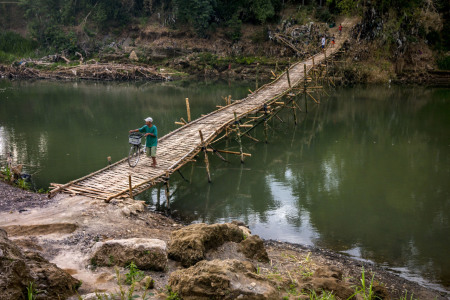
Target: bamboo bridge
{"points": [[180, 146]]}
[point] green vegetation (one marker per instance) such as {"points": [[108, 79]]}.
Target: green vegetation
{"points": [[171, 295], [6, 173], [405, 297], [12, 45], [134, 274], [68, 27], [443, 62], [30, 291], [325, 295], [365, 291]]}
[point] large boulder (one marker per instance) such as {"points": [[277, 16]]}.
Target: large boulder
{"points": [[14, 273], [146, 254], [50, 282], [189, 244], [19, 271], [253, 248], [221, 279]]}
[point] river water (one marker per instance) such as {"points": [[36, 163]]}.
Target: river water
{"points": [[366, 172]]}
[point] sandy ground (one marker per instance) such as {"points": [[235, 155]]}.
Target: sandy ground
{"points": [[64, 230]]}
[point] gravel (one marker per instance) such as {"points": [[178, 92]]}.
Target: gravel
{"points": [[15, 199]]}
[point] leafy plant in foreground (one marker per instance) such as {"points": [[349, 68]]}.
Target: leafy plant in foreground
{"points": [[134, 274], [365, 292]]}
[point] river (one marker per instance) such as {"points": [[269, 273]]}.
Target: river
{"points": [[364, 173]]}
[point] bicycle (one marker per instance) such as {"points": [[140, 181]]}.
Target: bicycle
{"points": [[134, 139]]}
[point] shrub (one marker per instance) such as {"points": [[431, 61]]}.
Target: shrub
{"points": [[444, 62], [13, 45]]}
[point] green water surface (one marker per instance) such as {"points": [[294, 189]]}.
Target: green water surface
{"points": [[366, 172]]}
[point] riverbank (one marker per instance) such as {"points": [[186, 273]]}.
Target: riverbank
{"points": [[67, 231]]}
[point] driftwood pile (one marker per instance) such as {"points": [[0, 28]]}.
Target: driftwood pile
{"points": [[96, 71]]}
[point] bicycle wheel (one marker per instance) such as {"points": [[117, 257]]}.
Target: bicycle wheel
{"points": [[133, 155]]}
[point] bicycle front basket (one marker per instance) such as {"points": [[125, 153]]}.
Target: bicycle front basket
{"points": [[135, 139]]}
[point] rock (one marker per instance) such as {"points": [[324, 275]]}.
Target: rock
{"points": [[253, 248], [14, 273], [126, 211], [18, 270], [189, 244], [221, 279], [330, 284], [147, 254], [143, 283], [331, 272], [133, 56], [52, 282], [136, 207], [91, 296]]}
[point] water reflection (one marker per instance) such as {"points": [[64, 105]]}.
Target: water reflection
{"points": [[366, 172], [66, 130]]}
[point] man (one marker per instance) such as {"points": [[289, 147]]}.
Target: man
{"points": [[340, 29], [323, 42], [152, 138]]}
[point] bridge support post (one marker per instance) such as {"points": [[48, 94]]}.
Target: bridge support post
{"points": [[304, 87], [166, 183], [294, 109], [265, 124], [188, 109], [326, 66], [238, 137], [130, 186], [158, 197], [257, 71], [206, 156]]}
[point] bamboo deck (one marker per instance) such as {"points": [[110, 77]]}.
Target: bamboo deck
{"points": [[181, 145]]}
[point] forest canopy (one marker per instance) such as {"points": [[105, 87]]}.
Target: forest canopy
{"points": [[57, 25]]}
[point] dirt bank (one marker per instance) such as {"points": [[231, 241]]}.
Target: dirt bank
{"points": [[66, 232]]}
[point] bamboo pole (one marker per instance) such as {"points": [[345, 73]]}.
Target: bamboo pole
{"points": [[238, 137], [250, 137], [167, 189], [158, 196], [304, 88], [294, 111], [131, 187], [326, 65], [231, 152], [206, 156], [257, 71], [217, 153], [288, 77], [265, 132], [312, 97], [188, 109]]}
